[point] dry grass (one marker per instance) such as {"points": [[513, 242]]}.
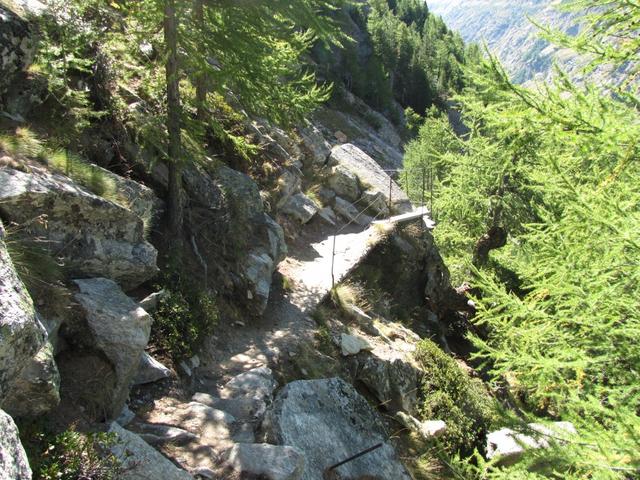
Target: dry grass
{"points": [[346, 295]]}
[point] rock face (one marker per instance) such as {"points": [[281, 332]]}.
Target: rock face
{"points": [[264, 238], [14, 464], [37, 389], [140, 461], [314, 144], [328, 421], [94, 236], [23, 336], [119, 329], [268, 462], [371, 175], [16, 46]]}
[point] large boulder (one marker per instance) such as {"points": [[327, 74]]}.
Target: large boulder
{"points": [[328, 421], [14, 464], [140, 461], [353, 159], [264, 461], [345, 183], [37, 389], [119, 329], [22, 334], [94, 236], [17, 46]]}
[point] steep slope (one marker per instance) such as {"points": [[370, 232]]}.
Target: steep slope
{"points": [[506, 28]]}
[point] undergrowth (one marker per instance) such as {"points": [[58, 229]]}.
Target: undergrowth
{"points": [[70, 455], [448, 393], [186, 315]]}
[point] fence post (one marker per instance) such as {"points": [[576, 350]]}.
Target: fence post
{"points": [[431, 179], [333, 258], [390, 193], [424, 173]]}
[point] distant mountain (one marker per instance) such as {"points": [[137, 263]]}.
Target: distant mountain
{"points": [[505, 26]]}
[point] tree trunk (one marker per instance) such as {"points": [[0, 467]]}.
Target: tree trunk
{"points": [[201, 77], [495, 238], [175, 205]]}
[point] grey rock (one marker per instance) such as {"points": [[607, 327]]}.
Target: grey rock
{"points": [[209, 425], [119, 328], [150, 370], [257, 384], [23, 336], [376, 202], [314, 145], [126, 416], [353, 344], [140, 199], [328, 421], [345, 183], [37, 390], [244, 433], [270, 462], [277, 245], [140, 461], [258, 271], [289, 183], [150, 303], [328, 215], [352, 159], [14, 464], [351, 213], [95, 237], [508, 446], [300, 207], [428, 430], [326, 195], [204, 472], [391, 374], [162, 434], [243, 409]]}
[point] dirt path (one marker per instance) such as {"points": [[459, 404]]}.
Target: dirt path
{"points": [[287, 320]]}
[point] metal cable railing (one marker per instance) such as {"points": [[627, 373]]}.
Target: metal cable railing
{"points": [[427, 182]]}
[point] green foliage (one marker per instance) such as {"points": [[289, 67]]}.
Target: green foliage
{"points": [[557, 167], [186, 315], [70, 455], [448, 393]]}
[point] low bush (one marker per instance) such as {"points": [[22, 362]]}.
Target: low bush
{"points": [[70, 455], [448, 393], [186, 315]]}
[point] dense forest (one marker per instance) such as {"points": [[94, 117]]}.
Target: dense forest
{"points": [[535, 203]]}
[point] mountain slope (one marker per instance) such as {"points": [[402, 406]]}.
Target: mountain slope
{"points": [[506, 28]]}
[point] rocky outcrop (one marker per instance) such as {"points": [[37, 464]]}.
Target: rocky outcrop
{"points": [[371, 178], [37, 390], [264, 461], [140, 461], [262, 237], [119, 329], [29, 378], [17, 46], [315, 146], [14, 464], [328, 421], [93, 236]]}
